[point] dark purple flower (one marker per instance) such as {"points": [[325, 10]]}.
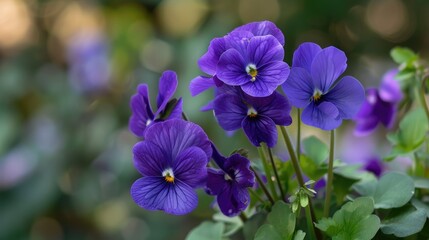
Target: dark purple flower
{"points": [[230, 182], [379, 106], [257, 116], [88, 55], [313, 85], [142, 114], [209, 61], [172, 160]]}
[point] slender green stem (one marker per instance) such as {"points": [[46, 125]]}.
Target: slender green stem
{"points": [[293, 157], [267, 171], [330, 175], [422, 97], [279, 184], [309, 223], [262, 185], [299, 177], [298, 135]]}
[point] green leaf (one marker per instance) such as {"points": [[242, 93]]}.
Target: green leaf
{"points": [[412, 130], [267, 231], [421, 182], [310, 168], [299, 235], [315, 149], [342, 186], [404, 222], [252, 224], [207, 230], [393, 190], [231, 224], [420, 205], [283, 220], [402, 55], [353, 221]]}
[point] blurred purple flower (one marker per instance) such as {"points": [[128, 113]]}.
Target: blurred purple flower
{"points": [[230, 182], [257, 116], [142, 114], [172, 160], [379, 106], [88, 56], [313, 85], [236, 39]]}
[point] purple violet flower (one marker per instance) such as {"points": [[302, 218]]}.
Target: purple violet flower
{"points": [[234, 40], [313, 85], [256, 66], [379, 106], [172, 160], [230, 182], [88, 55], [257, 116], [142, 114]]}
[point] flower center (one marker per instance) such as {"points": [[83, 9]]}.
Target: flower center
{"points": [[148, 122], [317, 95], [168, 175], [227, 177], [252, 71], [251, 112]]}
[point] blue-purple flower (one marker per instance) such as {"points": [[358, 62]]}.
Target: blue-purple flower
{"points": [[257, 116], [380, 105], [142, 114], [172, 160], [256, 65], [230, 182], [239, 39], [313, 85]]}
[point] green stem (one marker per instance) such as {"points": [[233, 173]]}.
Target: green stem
{"points": [[279, 184], [299, 177], [267, 171], [330, 175], [262, 185], [243, 217], [293, 157], [422, 97], [309, 223], [298, 135]]}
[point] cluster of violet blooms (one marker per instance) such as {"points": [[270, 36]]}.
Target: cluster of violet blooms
{"points": [[245, 68]]}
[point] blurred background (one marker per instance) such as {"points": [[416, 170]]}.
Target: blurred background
{"points": [[68, 69]]}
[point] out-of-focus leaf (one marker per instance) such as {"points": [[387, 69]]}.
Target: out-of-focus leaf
{"points": [[404, 221], [267, 231], [402, 55], [393, 190], [252, 224], [315, 149], [207, 230]]}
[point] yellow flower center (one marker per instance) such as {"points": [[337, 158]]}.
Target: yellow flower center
{"points": [[251, 112], [168, 175], [251, 70], [317, 95]]}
